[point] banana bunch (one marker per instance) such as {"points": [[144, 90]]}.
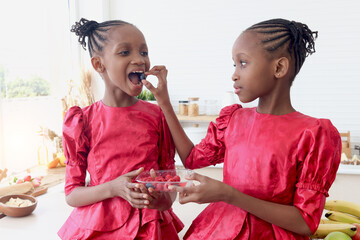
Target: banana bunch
{"points": [[342, 216]]}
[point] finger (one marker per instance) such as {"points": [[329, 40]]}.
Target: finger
{"points": [[153, 193], [139, 196], [196, 176], [132, 185], [134, 173], [157, 68], [160, 72], [143, 189], [176, 188], [140, 188], [148, 85], [137, 203], [185, 198], [152, 173]]}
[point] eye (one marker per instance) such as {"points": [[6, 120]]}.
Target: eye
{"points": [[243, 63], [144, 54], [124, 53]]}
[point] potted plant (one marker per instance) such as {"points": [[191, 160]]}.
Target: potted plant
{"points": [[146, 95]]}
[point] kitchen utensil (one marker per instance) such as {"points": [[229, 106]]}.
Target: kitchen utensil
{"points": [[17, 211]]}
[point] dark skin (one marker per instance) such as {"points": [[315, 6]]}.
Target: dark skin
{"points": [[125, 51], [256, 75]]}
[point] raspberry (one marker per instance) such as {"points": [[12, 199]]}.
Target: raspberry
{"points": [[176, 178]]}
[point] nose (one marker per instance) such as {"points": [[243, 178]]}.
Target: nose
{"points": [[235, 77], [138, 59]]}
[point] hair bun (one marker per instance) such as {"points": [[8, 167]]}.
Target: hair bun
{"points": [[84, 28]]}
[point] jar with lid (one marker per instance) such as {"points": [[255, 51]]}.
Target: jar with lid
{"points": [[193, 106], [183, 107]]}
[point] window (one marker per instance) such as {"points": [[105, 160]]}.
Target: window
{"points": [[34, 70]]}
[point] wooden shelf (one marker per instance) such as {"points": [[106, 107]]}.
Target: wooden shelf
{"points": [[200, 118]]}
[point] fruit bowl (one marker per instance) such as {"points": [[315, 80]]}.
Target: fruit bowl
{"points": [[11, 210], [160, 180]]}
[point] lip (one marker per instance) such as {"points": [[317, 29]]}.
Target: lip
{"points": [[237, 89]]}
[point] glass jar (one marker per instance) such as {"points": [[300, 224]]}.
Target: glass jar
{"points": [[42, 151], [183, 108], [193, 106]]}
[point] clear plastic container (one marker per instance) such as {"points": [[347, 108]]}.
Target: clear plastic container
{"points": [[193, 107], [160, 180], [183, 108]]}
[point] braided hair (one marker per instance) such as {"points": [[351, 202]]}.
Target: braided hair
{"points": [[295, 37], [95, 32]]}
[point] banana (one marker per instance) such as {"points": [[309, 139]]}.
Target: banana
{"points": [[327, 221], [341, 217], [325, 228], [343, 206]]}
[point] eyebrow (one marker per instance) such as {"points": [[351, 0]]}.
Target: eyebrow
{"points": [[128, 44], [239, 55]]}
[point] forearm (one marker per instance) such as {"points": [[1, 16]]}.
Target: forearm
{"points": [[82, 196], [284, 216], [182, 143]]}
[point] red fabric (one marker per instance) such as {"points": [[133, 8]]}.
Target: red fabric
{"points": [[290, 159], [109, 142]]}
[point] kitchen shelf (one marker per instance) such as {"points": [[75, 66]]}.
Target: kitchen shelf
{"points": [[200, 118]]}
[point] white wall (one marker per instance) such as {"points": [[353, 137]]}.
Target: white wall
{"points": [[22, 120], [194, 40]]}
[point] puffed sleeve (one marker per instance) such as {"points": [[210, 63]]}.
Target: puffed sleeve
{"points": [[76, 147], [211, 150], [166, 146], [319, 153]]}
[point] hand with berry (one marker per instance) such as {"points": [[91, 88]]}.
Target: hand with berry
{"points": [[209, 190], [160, 92], [135, 193]]}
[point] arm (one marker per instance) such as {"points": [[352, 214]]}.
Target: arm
{"points": [[182, 143], [119, 187], [210, 190]]}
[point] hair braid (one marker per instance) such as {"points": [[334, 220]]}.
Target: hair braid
{"points": [[95, 33], [295, 37]]}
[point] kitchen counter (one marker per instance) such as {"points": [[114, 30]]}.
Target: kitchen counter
{"points": [[52, 211], [47, 218]]}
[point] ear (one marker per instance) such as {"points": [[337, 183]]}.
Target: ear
{"points": [[281, 67], [97, 65]]}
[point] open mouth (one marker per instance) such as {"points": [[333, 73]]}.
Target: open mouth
{"points": [[136, 77]]}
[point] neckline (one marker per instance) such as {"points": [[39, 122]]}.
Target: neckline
{"points": [[273, 115], [106, 106]]}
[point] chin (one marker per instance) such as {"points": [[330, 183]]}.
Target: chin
{"points": [[246, 100], [135, 93]]}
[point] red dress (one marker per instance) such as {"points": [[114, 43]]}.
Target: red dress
{"points": [[109, 142], [290, 159]]}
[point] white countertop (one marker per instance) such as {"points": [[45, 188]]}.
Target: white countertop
{"points": [[52, 212], [43, 224]]}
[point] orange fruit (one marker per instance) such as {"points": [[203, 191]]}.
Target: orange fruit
{"points": [[53, 163]]}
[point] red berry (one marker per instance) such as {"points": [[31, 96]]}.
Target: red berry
{"points": [[27, 178], [168, 177], [176, 179], [159, 179]]}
